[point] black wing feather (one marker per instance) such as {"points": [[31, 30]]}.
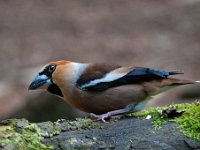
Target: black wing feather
{"points": [[137, 75], [141, 71]]}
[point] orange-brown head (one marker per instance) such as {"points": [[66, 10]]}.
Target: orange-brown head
{"points": [[50, 75]]}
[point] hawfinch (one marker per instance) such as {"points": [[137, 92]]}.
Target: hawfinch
{"points": [[104, 90]]}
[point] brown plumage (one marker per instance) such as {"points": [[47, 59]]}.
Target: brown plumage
{"points": [[104, 90], [96, 71]]}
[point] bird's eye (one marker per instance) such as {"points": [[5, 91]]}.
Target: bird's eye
{"points": [[51, 68]]}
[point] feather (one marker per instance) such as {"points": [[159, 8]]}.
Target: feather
{"points": [[122, 76], [96, 73]]}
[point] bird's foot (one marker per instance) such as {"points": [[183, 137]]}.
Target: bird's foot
{"points": [[110, 114], [100, 117]]}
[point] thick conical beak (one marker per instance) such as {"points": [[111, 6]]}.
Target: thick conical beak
{"points": [[40, 82]]}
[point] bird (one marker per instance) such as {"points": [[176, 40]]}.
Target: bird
{"points": [[104, 90]]}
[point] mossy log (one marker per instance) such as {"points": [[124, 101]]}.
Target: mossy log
{"points": [[83, 133]]}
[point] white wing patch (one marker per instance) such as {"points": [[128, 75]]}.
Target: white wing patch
{"points": [[78, 69], [107, 78]]}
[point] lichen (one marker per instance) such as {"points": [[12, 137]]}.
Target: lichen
{"points": [[20, 134], [49, 129], [78, 124], [188, 122]]}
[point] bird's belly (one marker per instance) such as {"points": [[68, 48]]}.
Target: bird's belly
{"points": [[99, 102]]}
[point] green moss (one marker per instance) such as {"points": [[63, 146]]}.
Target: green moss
{"points": [[153, 112], [19, 134], [188, 122]]}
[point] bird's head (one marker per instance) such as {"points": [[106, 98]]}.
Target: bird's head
{"points": [[48, 76]]}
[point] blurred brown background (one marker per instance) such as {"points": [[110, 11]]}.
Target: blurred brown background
{"points": [[156, 33]]}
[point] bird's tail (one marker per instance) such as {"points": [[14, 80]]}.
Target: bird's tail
{"points": [[174, 72], [159, 86], [182, 82], [173, 81]]}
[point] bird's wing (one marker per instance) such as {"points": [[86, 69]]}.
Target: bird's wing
{"points": [[99, 77]]}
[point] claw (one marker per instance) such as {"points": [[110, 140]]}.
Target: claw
{"points": [[100, 117], [110, 114]]}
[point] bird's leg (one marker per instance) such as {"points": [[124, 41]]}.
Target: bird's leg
{"points": [[100, 117], [110, 114]]}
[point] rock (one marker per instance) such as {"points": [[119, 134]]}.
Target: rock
{"points": [[127, 133]]}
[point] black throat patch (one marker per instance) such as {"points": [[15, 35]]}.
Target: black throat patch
{"points": [[54, 89]]}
